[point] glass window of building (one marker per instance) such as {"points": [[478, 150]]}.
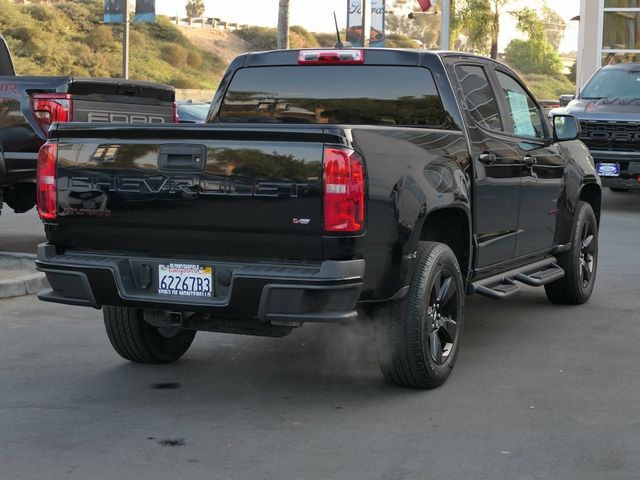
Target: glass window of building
{"points": [[621, 31]]}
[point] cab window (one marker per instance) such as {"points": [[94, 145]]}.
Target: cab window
{"points": [[525, 115], [478, 96]]}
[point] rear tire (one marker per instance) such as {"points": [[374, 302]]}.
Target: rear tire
{"points": [[419, 335], [579, 263], [138, 341], [618, 190]]}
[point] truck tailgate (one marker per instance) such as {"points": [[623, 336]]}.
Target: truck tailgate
{"points": [[223, 191]]}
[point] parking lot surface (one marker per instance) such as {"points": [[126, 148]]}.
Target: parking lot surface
{"points": [[539, 392]]}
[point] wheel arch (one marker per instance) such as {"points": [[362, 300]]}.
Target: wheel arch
{"points": [[592, 194], [451, 225]]}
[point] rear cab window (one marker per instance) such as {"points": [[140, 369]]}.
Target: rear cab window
{"points": [[335, 94]]}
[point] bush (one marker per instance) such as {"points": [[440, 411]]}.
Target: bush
{"points": [[546, 87], [194, 59], [100, 38], [174, 55], [182, 81], [300, 37], [400, 41], [533, 56], [259, 38], [136, 39], [327, 40]]}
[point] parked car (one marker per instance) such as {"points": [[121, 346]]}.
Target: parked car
{"points": [[608, 108], [193, 112], [30, 104], [325, 184]]}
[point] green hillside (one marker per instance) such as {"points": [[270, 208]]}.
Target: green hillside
{"points": [[68, 39]]}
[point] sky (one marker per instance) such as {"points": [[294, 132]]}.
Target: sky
{"points": [[317, 16]]}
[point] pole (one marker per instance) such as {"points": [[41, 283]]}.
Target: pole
{"points": [[125, 42], [366, 22], [445, 29]]}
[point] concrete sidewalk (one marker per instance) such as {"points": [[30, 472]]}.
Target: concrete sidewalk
{"points": [[18, 275]]}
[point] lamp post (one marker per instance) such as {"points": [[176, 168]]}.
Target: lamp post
{"points": [[125, 42]]}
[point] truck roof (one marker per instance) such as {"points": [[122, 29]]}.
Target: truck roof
{"points": [[379, 56]]}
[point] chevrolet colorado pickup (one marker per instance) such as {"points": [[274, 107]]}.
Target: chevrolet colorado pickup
{"points": [[325, 184], [29, 105], [608, 109]]}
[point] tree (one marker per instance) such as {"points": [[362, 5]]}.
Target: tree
{"points": [[195, 8], [473, 21], [283, 24], [530, 56], [554, 26], [530, 23], [537, 54], [496, 9], [479, 22]]}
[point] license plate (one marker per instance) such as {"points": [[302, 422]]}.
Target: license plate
{"points": [[185, 280], [608, 169]]}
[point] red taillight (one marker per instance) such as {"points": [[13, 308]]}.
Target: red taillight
{"points": [[176, 119], [51, 107], [46, 182], [343, 190], [330, 57]]}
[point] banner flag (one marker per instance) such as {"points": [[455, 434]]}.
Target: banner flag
{"points": [[145, 11], [114, 11], [354, 23], [425, 4]]}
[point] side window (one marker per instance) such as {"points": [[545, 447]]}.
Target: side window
{"points": [[527, 120], [478, 96]]}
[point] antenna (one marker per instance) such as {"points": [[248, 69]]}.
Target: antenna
{"points": [[335, 19], [339, 44]]}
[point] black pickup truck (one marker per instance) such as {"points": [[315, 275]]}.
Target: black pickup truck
{"points": [[29, 105], [608, 109], [326, 184]]}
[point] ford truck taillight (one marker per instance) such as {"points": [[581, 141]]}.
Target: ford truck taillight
{"points": [[51, 107], [176, 118], [343, 190], [46, 182]]}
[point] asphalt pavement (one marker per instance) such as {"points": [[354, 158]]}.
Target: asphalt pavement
{"points": [[539, 392], [20, 232]]}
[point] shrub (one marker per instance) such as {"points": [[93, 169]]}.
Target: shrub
{"points": [[100, 38], [259, 38], [194, 59], [400, 41], [174, 55], [533, 56]]}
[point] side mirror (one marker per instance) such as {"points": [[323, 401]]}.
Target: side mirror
{"points": [[566, 99], [565, 128]]}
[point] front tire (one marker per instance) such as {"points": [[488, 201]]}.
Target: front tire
{"points": [[580, 263], [138, 341], [419, 335]]}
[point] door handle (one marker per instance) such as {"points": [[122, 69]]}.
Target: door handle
{"points": [[487, 158], [529, 160]]}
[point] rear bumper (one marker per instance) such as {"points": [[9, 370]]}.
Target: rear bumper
{"points": [[17, 168], [276, 292]]}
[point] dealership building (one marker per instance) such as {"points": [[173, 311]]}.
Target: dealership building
{"points": [[609, 33]]}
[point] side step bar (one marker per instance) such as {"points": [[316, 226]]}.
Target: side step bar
{"points": [[503, 285]]}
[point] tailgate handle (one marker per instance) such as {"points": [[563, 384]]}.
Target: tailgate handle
{"points": [[185, 158]]}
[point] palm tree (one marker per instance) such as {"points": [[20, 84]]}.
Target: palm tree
{"points": [[283, 24]]}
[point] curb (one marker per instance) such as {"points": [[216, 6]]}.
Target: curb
{"points": [[28, 284]]}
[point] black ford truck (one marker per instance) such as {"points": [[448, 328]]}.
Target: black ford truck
{"points": [[608, 109], [324, 185], [29, 105]]}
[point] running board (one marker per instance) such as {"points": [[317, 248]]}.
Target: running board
{"points": [[503, 285]]}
